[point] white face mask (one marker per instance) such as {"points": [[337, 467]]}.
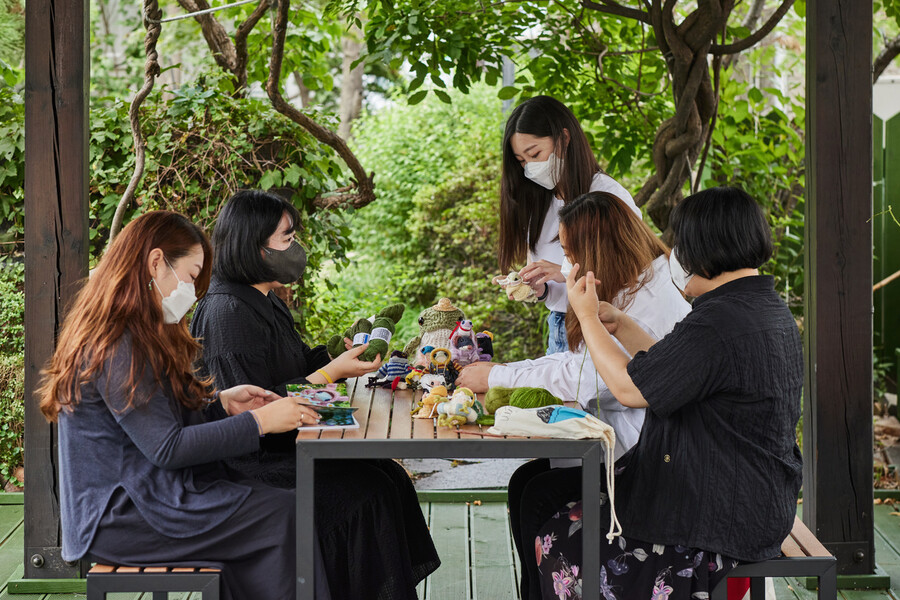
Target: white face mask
{"points": [[179, 302], [545, 173], [680, 277]]}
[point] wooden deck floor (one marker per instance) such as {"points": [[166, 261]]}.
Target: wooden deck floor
{"points": [[476, 549]]}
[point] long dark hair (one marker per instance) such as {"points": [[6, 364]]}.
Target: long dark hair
{"points": [[603, 235], [118, 296], [523, 203]]}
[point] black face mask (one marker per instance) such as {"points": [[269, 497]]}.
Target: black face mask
{"points": [[287, 265]]}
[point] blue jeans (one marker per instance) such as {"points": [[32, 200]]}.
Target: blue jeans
{"points": [[556, 338]]}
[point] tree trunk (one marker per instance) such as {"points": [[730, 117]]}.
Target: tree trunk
{"points": [[351, 81]]}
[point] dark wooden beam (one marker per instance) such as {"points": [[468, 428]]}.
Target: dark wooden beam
{"points": [[837, 419], [56, 240]]}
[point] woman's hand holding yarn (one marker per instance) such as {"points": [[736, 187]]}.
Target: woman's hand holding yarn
{"points": [[348, 364]]}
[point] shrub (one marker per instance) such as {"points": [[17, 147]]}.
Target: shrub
{"points": [[12, 308], [12, 414]]}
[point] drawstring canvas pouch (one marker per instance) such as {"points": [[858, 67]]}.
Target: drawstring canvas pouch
{"points": [[568, 423]]}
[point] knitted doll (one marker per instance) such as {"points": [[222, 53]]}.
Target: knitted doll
{"points": [[515, 287], [459, 409], [396, 367], [435, 326], [463, 344]]}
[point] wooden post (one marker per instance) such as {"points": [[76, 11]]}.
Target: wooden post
{"points": [[837, 416], [56, 240]]}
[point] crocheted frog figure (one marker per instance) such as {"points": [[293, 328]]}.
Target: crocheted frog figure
{"points": [[435, 326]]}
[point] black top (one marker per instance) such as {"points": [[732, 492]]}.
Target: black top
{"points": [[249, 337], [717, 466]]}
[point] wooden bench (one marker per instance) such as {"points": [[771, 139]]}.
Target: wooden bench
{"points": [[106, 579], [802, 556]]}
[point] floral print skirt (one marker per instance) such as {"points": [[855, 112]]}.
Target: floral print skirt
{"points": [[630, 569]]}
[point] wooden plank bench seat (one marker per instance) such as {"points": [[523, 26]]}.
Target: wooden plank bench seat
{"points": [[802, 555], [106, 579]]}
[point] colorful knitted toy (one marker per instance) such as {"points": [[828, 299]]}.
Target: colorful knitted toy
{"points": [[396, 366], [515, 287], [485, 341], [435, 326], [424, 409], [458, 410], [463, 344]]}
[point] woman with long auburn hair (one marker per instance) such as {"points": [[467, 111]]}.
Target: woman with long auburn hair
{"points": [[600, 230], [547, 163], [141, 477]]}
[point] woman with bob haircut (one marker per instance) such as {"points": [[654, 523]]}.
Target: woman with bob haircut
{"points": [[372, 534], [600, 230], [141, 477], [714, 477], [547, 163]]}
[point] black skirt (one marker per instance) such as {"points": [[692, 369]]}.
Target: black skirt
{"points": [[374, 539]]}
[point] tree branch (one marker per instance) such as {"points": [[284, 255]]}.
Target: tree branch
{"points": [[884, 58], [152, 15], [240, 43], [613, 8], [749, 41], [215, 35], [365, 187]]}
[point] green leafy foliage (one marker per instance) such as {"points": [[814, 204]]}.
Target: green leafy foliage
{"points": [[12, 307], [12, 415], [12, 152], [758, 145], [12, 32], [12, 370], [433, 230]]}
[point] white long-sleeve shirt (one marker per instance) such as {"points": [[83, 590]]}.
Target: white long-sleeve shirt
{"points": [[548, 247], [571, 375]]}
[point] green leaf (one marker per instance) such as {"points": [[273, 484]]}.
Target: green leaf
{"points": [[443, 96], [755, 95], [417, 97], [508, 92]]}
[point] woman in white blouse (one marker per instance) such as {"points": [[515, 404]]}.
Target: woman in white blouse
{"points": [[601, 233], [547, 162]]}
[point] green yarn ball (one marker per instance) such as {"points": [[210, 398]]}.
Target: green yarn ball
{"points": [[497, 397], [378, 346], [335, 346], [394, 312], [532, 398], [485, 420], [361, 326]]}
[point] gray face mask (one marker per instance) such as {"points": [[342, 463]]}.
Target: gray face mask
{"points": [[287, 265]]}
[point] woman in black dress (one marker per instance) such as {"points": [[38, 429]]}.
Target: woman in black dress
{"points": [[714, 476], [374, 539]]}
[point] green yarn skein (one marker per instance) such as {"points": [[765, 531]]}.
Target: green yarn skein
{"points": [[532, 398], [335, 345], [527, 397], [394, 312], [361, 326], [378, 346], [497, 397]]}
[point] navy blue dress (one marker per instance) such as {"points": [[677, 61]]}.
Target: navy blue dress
{"points": [[145, 485]]}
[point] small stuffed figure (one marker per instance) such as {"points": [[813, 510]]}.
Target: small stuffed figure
{"points": [[515, 287], [413, 377], [429, 381], [424, 409], [463, 344], [485, 341], [458, 410], [395, 368]]}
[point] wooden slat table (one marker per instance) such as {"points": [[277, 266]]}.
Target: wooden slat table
{"points": [[388, 431]]}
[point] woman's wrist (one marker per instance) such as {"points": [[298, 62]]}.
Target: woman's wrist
{"points": [[545, 293]]}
